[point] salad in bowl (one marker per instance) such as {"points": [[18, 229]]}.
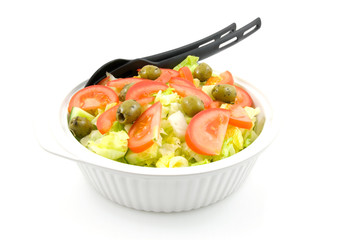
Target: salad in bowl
{"points": [[165, 118]]}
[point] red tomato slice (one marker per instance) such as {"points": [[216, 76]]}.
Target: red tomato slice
{"points": [[104, 81], [144, 89], [145, 129], [93, 97], [242, 97], [239, 117], [106, 119], [121, 82], [181, 81], [215, 104], [227, 78], [206, 131], [172, 72], [186, 91], [185, 73], [164, 77], [144, 101]]}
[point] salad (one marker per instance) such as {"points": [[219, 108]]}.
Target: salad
{"points": [[165, 118]]}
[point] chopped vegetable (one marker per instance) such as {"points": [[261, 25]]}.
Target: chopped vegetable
{"points": [[146, 130], [93, 97], [167, 118], [190, 61], [114, 145], [206, 131], [106, 120]]}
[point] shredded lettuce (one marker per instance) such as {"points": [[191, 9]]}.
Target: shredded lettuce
{"points": [[191, 155], [171, 161], [93, 136], [235, 134], [145, 158], [113, 145], [227, 150], [167, 97], [206, 161], [169, 149], [190, 62], [207, 89], [169, 100], [252, 112], [163, 162], [236, 138]]}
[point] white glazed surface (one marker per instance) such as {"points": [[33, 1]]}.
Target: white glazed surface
{"points": [[163, 190]]}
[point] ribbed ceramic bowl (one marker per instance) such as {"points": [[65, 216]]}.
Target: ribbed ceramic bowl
{"points": [[158, 189]]}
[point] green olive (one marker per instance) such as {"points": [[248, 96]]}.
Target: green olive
{"points": [[150, 72], [124, 90], [224, 92], [202, 72], [191, 105], [128, 111], [80, 126]]}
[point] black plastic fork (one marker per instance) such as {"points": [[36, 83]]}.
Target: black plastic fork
{"points": [[203, 48]]}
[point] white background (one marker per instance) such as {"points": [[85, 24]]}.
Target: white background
{"points": [[305, 58]]}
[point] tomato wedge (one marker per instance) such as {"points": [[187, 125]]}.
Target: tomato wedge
{"points": [[145, 129], [104, 81], [93, 97], [121, 82], [227, 78], [239, 117], [145, 101], [186, 91], [185, 73], [181, 81], [215, 104], [106, 119], [172, 72], [164, 77], [206, 131], [242, 97], [144, 89]]}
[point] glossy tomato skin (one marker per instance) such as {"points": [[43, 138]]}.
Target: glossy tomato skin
{"points": [[145, 89], [172, 72], [145, 101], [239, 117], [226, 78], [242, 97], [145, 129], [185, 73], [164, 77], [104, 81], [121, 82], [181, 81], [93, 97], [106, 119], [215, 104], [206, 131], [184, 91]]}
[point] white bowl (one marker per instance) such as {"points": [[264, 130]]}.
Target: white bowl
{"points": [[159, 189]]}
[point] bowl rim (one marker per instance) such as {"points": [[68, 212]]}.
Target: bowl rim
{"points": [[68, 143]]}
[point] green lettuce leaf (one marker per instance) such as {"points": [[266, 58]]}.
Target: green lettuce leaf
{"points": [[171, 161], [190, 62], [206, 161], [145, 158], [113, 145]]}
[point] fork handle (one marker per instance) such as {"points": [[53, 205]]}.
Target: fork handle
{"points": [[195, 45], [216, 46]]}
